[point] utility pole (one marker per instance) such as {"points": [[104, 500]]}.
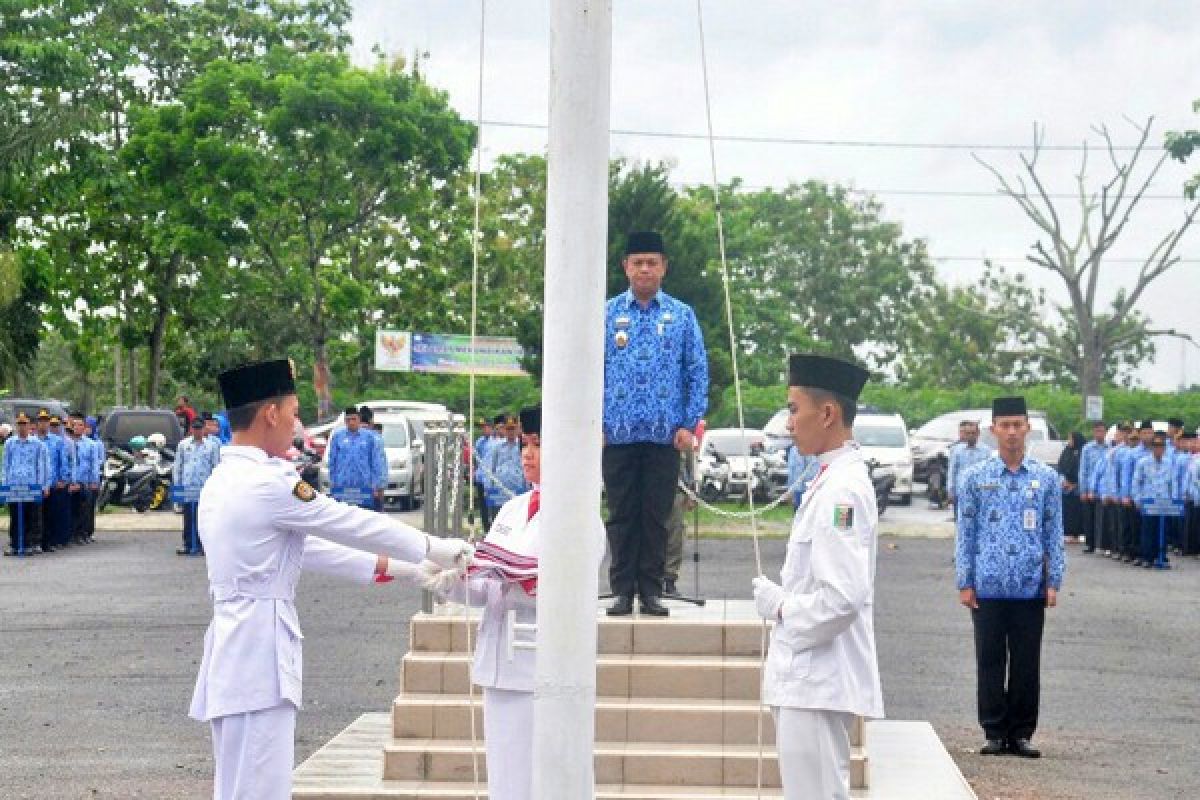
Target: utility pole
{"points": [[573, 383]]}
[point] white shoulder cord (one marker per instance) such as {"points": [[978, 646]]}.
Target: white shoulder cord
{"points": [[737, 383]]}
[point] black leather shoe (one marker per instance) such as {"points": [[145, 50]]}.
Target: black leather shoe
{"points": [[669, 587], [994, 747], [1022, 748], [653, 608], [1089, 549], [621, 607], [182, 551]]}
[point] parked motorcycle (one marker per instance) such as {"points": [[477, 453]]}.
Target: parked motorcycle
{"points": [[938, 470], [139, 478], [713, 474], [883, 479], [307, 462]]}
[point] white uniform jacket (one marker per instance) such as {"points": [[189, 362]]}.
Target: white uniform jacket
{"points": [[254, 516], [822, 653], [492, 668]]}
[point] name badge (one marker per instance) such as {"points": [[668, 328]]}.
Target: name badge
{"points": [[1030, 519]]}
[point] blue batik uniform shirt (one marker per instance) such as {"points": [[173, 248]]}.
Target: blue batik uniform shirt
{"points": [[1010, 531], [26, 462], [1129, 461], [85, 461], [195, 461], [483, 446], [655, 370], [1181, 463], [962, 458], [1091, 462], [60, 461], [354, 460], [507, 479], [1153, 479]]}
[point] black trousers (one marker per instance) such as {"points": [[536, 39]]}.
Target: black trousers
{"points": [[485, 513], [1191, 531], [1129, 531], [1087, 517], [58, 530], [189, 528], [31, 525], [81, 508], [1008, 649], [639, 482]]}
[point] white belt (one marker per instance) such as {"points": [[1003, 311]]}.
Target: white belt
{"points": [[266, 587]]}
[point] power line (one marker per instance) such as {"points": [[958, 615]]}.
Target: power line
{"points": [[861, 143], [950, 193], [1022, 258]]}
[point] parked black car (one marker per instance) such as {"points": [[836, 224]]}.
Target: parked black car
{"points": [[122, 424], [30, 406]]}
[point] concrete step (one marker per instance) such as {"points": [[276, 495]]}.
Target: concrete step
{"points": [[625, 676], [677, 721], [908, 763], [641, 764], [439, 633]]}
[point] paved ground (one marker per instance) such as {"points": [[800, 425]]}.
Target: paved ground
{"points": [[99, 646]]}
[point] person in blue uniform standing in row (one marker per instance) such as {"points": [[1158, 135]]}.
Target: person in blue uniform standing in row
{"points": [[1091, 463], [505, 476], [1152, 481], [478, 479], [57, 534], [379, 463], [353, 458], [195, 459], [26, 463], [1010, 561], [85, 479]]}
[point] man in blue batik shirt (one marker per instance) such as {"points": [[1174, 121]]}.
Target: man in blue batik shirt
{"points": [[1137, 448], [1009, 561], [195, 459], [1153, 479], [479, 479], [655, 392], [26, 463], [1091, 463], [354, 460], [505, 477], [57, 533], [966, 453]]}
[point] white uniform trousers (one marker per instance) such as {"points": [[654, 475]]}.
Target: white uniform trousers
{"points": [[254, 754], [814, 753], [508, 735]]}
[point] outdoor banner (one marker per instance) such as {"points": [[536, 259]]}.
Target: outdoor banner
{"points": [[393, 351], [450, 353]]}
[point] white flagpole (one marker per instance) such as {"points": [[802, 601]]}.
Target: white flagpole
{"points": [[572, 388]]}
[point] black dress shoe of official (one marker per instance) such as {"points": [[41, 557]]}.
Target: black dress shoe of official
{"points": [[652, 607], [669, 588], [621, 607], [994, 747], [8, 551], [182, 551], [1089, 549], [1024, 749]]}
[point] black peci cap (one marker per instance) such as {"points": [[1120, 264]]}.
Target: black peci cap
{"points": [[1009, 407], [498, 419], [811, 371], [1175, 422], [262, 380], [531, 420], [644, 242], [1146, 425]]}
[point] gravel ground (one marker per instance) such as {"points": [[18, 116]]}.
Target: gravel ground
{"points": [[99, 647]]}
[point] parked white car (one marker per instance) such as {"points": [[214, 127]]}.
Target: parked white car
{"points": [[934, 438], [884, 439]]}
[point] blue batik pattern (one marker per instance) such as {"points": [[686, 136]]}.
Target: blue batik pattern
{"points": [[1091, 465], [354, 460], [85, 461], [1152, 479], [655, 370], [26, 462], [1010, 531], [963, 458], [1129, 461], [507, 479], [1181, 464], [195, 461]]}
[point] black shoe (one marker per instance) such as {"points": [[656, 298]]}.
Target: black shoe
{"points": [[49, 548], [33, 551], [653, 608], [1089, 549], [994, 747], [669, 587], [622, 607], [1022, 748], [182, 551], [8, 551], [1137, 562]]}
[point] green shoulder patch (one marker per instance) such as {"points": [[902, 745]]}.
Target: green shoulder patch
{"points": [[843, 516], [304, 493]]}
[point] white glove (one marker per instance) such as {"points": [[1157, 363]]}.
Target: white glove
{"points": [[440, 581], [451, 553], [404, 570], [768, 598]]}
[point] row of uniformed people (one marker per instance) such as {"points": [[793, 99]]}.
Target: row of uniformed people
{"points": [[1116, 480], [65, 463], [357, 458]]}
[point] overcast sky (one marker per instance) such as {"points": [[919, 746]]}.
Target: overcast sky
{"points": [[943, 72]]}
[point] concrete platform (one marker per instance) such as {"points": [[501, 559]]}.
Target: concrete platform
{"points": [[908, 762]]}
